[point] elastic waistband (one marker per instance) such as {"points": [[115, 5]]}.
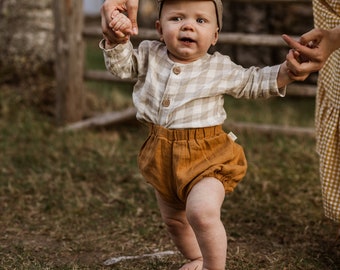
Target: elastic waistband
{"points": [[185, 134]]}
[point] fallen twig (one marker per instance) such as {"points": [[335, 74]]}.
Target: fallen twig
{"points": [[125, 258]]}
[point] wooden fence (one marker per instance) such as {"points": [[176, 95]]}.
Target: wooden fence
{"points": [[298, 89], [306, 90]]}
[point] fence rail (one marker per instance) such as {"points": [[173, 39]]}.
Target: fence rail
{"points": [[294, 89], [224, 38]]}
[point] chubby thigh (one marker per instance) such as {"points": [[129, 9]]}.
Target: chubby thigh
{"points": [[173, 161]]}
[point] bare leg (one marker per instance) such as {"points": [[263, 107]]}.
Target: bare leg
{"points": [[181, 233], [203, 212]]}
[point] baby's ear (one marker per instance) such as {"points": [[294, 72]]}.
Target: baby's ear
{"points": [[215, 38], [159, 28]]}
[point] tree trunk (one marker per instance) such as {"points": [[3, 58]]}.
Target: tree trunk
{"points": [[26, 43], [70, 55]]}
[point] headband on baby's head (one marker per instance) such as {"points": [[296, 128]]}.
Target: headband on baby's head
{"points": [[218, 7]]}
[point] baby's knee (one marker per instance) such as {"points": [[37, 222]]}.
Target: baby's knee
{"points": [[203, 217]]}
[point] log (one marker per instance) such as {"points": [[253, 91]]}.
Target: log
{"points": [[294, 89], [302, 90], [105, 119], [112, 118], [252, 39], [101, 75], [270, 129]]}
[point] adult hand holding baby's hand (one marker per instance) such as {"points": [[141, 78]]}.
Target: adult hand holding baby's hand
{"points": [[121, 26], [296, 66], [116, 26], [313, 49]]}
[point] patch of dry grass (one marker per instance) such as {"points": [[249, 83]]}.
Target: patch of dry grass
{"points": [[74, 200]]}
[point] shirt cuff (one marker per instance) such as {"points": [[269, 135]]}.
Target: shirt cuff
{"points": [[281, 92], [117, 48]]}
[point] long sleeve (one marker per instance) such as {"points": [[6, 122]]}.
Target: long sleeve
{"points": [[121, 60]]}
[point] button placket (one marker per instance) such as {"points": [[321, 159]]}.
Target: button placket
{"points": [[166, 101]]}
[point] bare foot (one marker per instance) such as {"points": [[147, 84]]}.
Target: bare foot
{"points": [[193, 265]]}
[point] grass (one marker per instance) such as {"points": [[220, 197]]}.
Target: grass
{"points": [[73, 200]]}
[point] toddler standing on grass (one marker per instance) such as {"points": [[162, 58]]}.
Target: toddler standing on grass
{"points": [[188, 159]]}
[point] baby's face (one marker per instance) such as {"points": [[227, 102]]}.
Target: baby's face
{"points": [[188, 28]]}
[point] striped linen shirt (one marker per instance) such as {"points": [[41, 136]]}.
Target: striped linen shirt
{"points": [[175, 95]]}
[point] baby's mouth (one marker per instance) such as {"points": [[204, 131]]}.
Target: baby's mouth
{"points": [[187, 40]]}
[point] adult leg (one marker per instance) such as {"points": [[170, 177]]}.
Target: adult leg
{"points": [[203, 213], [181, 233]]}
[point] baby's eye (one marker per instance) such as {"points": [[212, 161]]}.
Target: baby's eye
{"points": [[200, 20], [176, 19]]}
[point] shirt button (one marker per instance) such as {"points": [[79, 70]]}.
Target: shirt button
{"points": [[176, 70], [166, 102]]}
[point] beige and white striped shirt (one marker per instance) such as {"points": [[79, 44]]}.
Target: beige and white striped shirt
{"points": [[176, 95]]}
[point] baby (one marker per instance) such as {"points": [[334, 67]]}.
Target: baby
{"points": [[188, 158]]}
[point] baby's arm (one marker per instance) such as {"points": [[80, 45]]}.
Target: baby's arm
{"points": [[121, 23]]}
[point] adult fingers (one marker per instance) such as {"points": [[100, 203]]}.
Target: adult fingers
{"points": [[132, 10], [299, 70], [290, 41], [302, 49], [112, 36], [314, 36], [313, 54]]}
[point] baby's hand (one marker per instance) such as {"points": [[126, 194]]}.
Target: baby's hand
{"points": [[121, 26], [121, 23]]}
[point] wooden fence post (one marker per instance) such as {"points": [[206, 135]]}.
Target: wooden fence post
{"points": [[69, 64]]}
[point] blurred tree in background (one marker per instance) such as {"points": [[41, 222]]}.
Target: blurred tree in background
{"points": [[26, 44]]}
